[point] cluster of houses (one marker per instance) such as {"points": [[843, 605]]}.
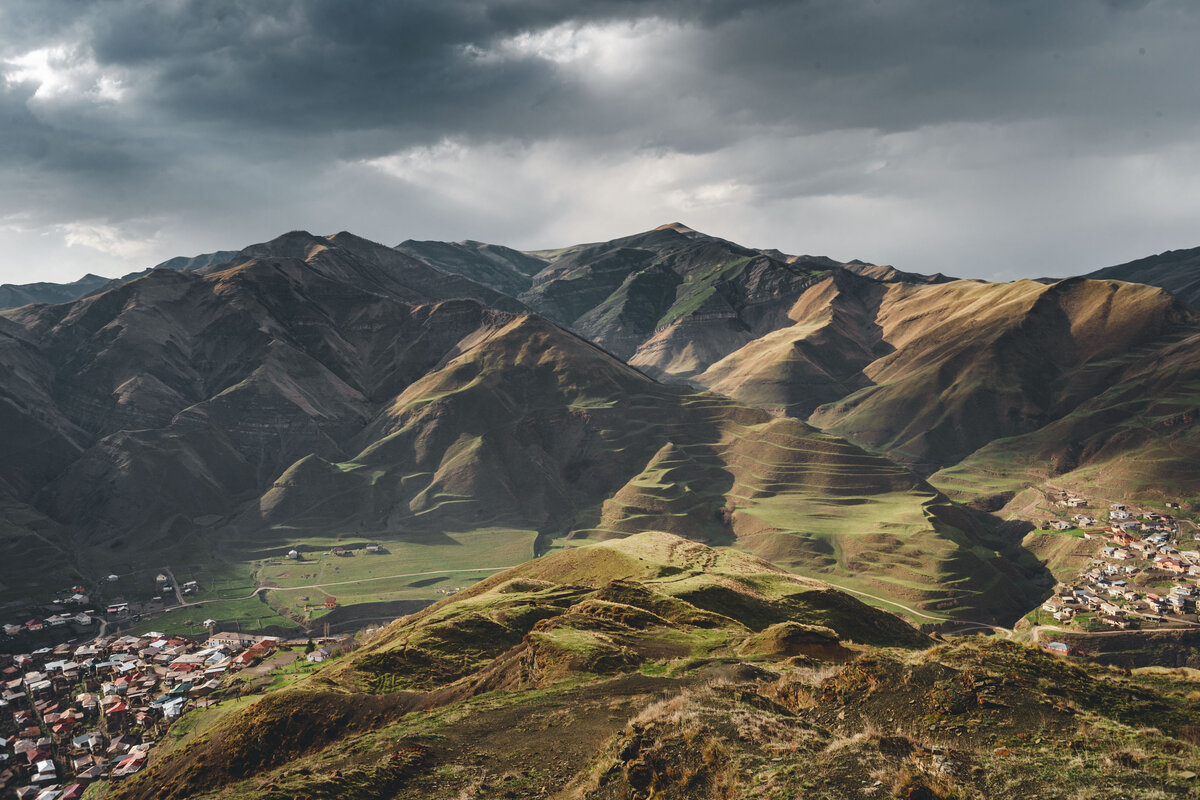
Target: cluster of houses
{"points": [[370, 549], [67, 613], [78, 713], [1140, 574]]}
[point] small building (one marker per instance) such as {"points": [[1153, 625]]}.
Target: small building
{"points": [[293, 554], [339, 551], [331, 602]]}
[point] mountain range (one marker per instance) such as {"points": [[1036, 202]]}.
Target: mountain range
{"points": [[843, 420]]}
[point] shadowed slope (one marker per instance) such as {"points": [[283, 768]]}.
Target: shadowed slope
{"points": [[1177, 271]]}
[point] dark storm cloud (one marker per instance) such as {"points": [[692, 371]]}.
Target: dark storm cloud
{"points": [[119, 111]]}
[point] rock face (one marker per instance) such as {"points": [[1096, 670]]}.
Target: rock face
{"points": [[317, 383]]}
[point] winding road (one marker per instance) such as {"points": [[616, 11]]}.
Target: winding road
{"points": [[969, 624]]}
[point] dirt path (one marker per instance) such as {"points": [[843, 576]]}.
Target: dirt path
{"points": [[969, 624], [1036, 631]]}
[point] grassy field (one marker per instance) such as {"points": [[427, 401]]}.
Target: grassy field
{"points": [[420, 569], [409, 570]]}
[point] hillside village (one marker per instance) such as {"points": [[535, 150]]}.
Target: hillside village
{"points": [[79, 713], [1146, 572]]}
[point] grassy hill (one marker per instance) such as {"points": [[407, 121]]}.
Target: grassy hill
{"points": [[657, 667]]}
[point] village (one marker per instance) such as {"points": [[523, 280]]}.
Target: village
{"points": [[78, 713], [1145, 573]]}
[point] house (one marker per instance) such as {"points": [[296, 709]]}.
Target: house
{"points": [[318, 655], [191, 587], [12, 630], [293, 554], [1169, 564], [1058, 648], [231, 639], [1113, 621], [339, 551], [330, 601], [374, 548], [1060, 525]]}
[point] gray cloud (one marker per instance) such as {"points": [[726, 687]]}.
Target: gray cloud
{"points": [[915, 131]]}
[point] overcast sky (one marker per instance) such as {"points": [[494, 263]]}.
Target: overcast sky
{"points": [[989, 139]]}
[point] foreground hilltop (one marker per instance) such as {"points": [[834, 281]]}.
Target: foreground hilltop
{"points": [[657, 667]]}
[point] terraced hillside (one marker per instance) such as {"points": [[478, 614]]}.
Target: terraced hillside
{"points": [[327, 391], [530, 427], [1137, 437], [657, 667]]}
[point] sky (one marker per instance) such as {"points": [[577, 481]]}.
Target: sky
{"points": [[995, 139]]}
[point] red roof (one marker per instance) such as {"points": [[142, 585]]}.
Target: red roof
{"points": [[117, 708]]}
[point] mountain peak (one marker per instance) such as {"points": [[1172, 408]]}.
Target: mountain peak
{"points": [[676, 226]]}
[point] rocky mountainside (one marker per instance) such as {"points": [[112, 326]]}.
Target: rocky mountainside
{"points": [[669, 301], [317, 383], [657, 667]]}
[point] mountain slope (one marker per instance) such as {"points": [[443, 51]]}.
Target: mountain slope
{"points": [[670, 301], [1177, 271], [14, 295], [318, 386], [1137, 437], [922, 368], [531, 427]]}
